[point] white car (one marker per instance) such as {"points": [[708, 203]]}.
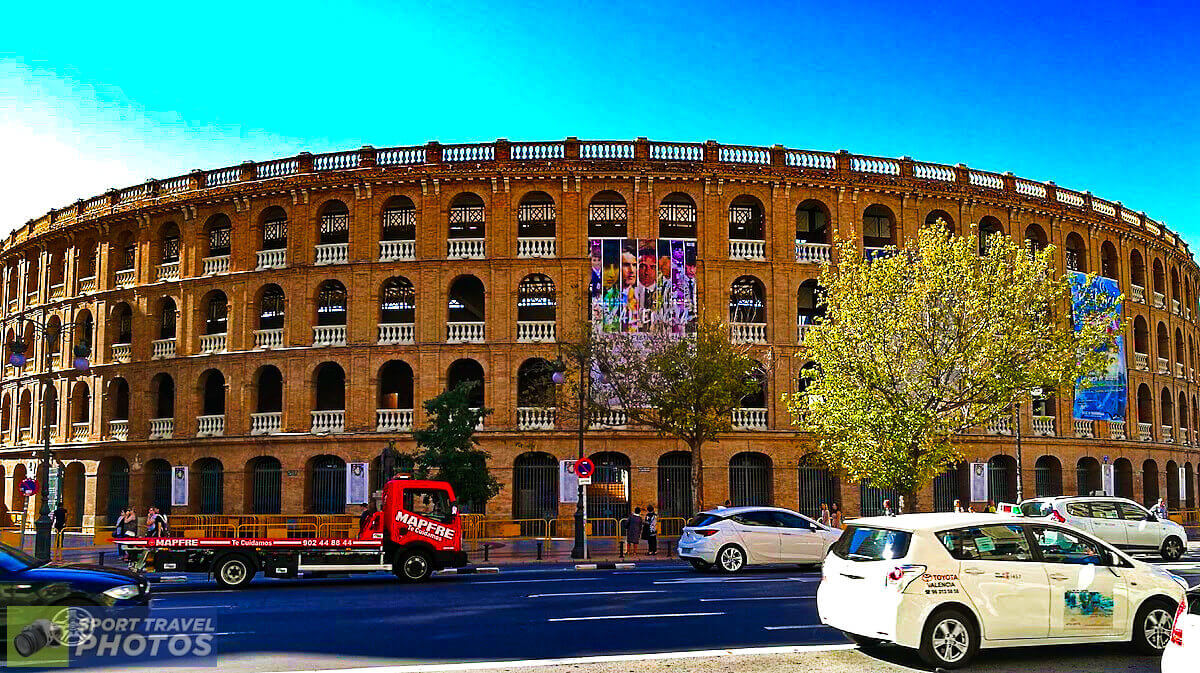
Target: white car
{"points": [[1184, 649], [734, 537], [1120, 522], [950, 584]]}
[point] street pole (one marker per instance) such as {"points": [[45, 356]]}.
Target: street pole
{"points": [[1020, 481], [579, 551], [41, 544]]}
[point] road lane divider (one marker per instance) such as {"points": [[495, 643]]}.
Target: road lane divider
{"points": [[487, 570], [757, 598], [548, 579], [598, 593], [797, 627], [730, 580], [664, 615], [605, 566]]}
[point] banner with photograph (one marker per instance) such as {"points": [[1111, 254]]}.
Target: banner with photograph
{"points": [[643, 286], [1108, 473], [179, 486], [1105, 395], [357, 484], [979, 482]]}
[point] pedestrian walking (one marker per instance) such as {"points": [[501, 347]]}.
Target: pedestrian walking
{"points": [[156, 523], [633, 530], [1160, 509], [60, 523], [825, 519], [126, 527], [650, 530], [887, 508], [835, 515], [958, 508], [900, 505]]}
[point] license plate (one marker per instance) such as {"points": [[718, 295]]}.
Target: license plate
{"points": [[685, 550]]}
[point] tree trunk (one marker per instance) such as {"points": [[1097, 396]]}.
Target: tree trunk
{"points": [[911, 502], [697, 477]]}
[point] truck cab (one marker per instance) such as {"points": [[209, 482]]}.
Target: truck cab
{"points": [[419, 526]]}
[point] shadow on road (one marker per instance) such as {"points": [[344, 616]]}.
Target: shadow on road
{"points": [[1114, 658]]}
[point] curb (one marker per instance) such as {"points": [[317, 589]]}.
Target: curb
{"points": [[605, 566], [467, 571]]}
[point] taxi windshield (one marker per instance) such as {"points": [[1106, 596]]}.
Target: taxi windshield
{"points": [[1037, 508]]}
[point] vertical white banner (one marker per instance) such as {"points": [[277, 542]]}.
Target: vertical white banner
{"points": [[1108, 476], [1182, 485], [179, 486], [979, 482], [568, 482], [357, 484]]}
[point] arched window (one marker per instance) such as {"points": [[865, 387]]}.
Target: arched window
{"points": [[608, 217], [467, 217], [878, 227], [162, 397], [213, 387], [1180, 353], [55, 272], [327, 485], [1047, 477], [988, 227], [1137, 273], [50, 395], [335, 223], [467, 371], [812, 222], [1164, 347], [750, 480], [118, 392], [397, 306], [675, 485], [535, 219], [399, 220], [677, 216], [1175, 293], [1002, 479], [465, 311], [395, 393], [1035, 238], [1167, 409], [167, 318], [53, 335], [266, 485], [168, 247], [1110, 262], [329, 387], [1145, 412], [748, 302], [331, 303], [125, 252], [1087, 477], [1172, 485], [1160, 284], [85, 262], [84, 329], [113, 486], [274, 224], [216, 313], [947, 220], [809, 308], [535, 391], [1123, 478], [74, 492], [537, 308], [1182, 413], [609, 494], [81, 403], [210, 485], [122, 325], [535, 487], [751, 413], [746, 219], [158, 484], [1150, 488], [268, 389], [25, 414], [1076, 253], [217, 230], [271, 306]]}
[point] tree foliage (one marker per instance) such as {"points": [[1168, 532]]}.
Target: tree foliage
{"points": [[447, 448], [683, 387], [922, 344]]}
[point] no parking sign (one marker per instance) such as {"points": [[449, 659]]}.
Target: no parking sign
{"points": [[584, 469], [28, 487]]}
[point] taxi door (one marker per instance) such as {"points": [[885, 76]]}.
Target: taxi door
{"points": [[999, 574], [1087, 597], [1107, 523], [760, 534], [801, 540]]}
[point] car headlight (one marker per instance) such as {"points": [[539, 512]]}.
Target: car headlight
{"points": [[122, 592]]}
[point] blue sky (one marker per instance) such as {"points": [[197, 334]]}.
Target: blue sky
{"points": [[1101, 97]]}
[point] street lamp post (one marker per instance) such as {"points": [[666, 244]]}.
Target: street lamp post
{"points": [[579, 550], [16, 358]]}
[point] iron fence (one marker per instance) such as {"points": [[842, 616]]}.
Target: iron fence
{"points": [[816, 487], [675, 485], [750, 480], [871, 499]]}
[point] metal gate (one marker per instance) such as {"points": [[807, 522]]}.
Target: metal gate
{"points": [[535, 487], [160, 486], [675, 485], [816, 487], [750, 480], [871, 499], [1043, 481], [998, 482], [118, 492], [1087, 479], [608, 496], [328, 494], [266, 481], [211, 479], [945, 490]]}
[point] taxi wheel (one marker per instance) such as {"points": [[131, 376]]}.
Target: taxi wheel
{"points": [[413, 567], [1172, 549], [950, 639], [731, 559], [1152, 627], [702, 566]]}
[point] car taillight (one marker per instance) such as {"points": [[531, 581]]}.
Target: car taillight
{"points": [[1177, 631], [902, 576], [705, 532], [1057, 517]]}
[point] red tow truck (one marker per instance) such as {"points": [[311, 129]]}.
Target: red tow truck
{"points": [[417, 532]]}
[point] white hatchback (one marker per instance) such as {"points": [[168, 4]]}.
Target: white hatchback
{"points": [[1184, 649], [1120, 522], [732, 538], [950, 584]]}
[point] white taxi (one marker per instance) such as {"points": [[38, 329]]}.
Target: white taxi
{"points": [[950, 584], [1184, 649], [732, 538]]}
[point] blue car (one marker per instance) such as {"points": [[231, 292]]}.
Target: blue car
{"points": [[25, 580]]}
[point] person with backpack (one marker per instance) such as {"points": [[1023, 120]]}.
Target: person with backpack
{"points": [[650, 530]]}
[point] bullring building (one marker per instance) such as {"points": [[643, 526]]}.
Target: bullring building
{"points": [[265, 325]]}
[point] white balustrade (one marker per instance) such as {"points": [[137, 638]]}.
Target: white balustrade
{"points": [[1175, 306], [212, 343], [1137, 293], [1168, 433], [332, 253], [167, 271], [535, 247], [1043, 426], [391, 251], [1141, 361], [465, 248], [80, 431], [162, 428], [747, 249], [24, 435], [1164, 366], [87, 284], [535, 418], [328, 422], [812, 253], [1160, 300], [162, 348], [216, 265], [268, 338], [118, 429], [391, 334], [210, 426], [1144, 432], [612, 418], [535, 331], [393, 420], [750, 419], [748, 333], [266, 423], [329, 335], [121, 352], [802, 328], [1084, 428], [272, 259], [1000, 426], [1179, 370], [1116, 429], [124, 276], [464, 332], [56, 291]]}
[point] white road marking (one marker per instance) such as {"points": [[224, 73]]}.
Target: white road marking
{"points": [[757, 598], [597, 593], [724, 580], [191, 607], [549, 579], [798, 626], [603, 659], [665, 614]]}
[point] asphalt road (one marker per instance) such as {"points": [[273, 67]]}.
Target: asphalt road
{"points": [[543, 613]]}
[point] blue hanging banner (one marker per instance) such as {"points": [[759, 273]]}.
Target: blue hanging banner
{"points": [[1105, 396]]}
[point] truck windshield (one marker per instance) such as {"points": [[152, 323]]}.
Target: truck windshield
{"points": [[430, 503], [863, 543]]}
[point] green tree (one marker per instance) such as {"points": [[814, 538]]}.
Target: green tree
{"points": [[922, 344], [447, 448], [682, 387]]}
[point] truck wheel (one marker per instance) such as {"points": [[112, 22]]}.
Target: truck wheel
{"points": [[1172, 549], [950, 639], [233, 572], [1152, 626], [413, 566]]}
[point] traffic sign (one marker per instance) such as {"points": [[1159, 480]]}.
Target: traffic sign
{"points": [[29, 487], [585, 468], [585, 481]]}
